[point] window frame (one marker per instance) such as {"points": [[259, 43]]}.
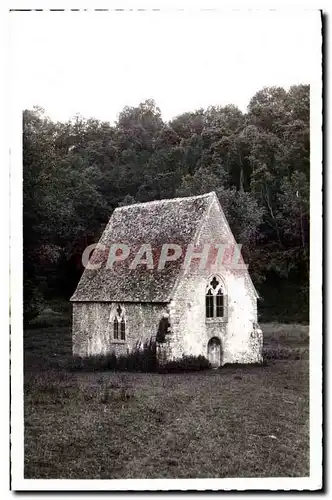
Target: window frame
{"points": [[119, 325], [209, 308], [218, 291]]}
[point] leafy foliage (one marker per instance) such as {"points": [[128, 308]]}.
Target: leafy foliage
{"points": [[76, 173]]}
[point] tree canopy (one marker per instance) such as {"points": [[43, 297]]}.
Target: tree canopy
{"points": [[76, 173]]}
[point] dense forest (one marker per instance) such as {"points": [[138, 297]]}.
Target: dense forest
{"points": [[75, 174]]}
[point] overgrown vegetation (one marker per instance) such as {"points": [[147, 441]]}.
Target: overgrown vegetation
{"points": [[76, 173], [48, 345], [141, 361]]}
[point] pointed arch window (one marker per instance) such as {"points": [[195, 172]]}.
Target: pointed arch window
{"points": [[220, 304], [215, 299], [209, 304]]}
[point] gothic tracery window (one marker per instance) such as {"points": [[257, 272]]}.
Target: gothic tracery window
{"points": [[215, 299]]}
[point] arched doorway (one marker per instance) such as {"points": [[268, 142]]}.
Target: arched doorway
{"points": [[214, 352]]}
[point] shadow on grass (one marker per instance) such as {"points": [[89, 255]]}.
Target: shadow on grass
{"points": [[145, 361], [50, 348]]}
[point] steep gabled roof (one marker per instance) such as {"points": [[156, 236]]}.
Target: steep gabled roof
{"points": [[176, 220], [157, 222]]}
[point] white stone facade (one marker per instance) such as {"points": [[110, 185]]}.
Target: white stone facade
{"points": [[240, 337]]}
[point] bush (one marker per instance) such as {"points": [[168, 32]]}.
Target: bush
{"points": [[142, 361], [186, 364], [138, 361]]}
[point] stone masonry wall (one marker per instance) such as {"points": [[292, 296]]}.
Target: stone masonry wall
{"points": [[93, 331], [241, 340]]}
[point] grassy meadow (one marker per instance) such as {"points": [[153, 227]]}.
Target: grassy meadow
{"points": [[238, 421]]}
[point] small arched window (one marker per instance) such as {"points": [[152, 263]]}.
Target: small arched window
{"points": [[215, 299]]}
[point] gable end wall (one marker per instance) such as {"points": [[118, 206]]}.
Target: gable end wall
{"points": [[240, 340]]}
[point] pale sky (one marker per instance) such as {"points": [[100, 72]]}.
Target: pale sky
{"points": [[94, 63]]}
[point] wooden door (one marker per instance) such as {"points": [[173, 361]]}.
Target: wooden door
{"points": [[214, 352]]}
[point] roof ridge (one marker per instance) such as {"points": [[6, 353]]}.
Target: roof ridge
{"points": [[167, 200]]}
